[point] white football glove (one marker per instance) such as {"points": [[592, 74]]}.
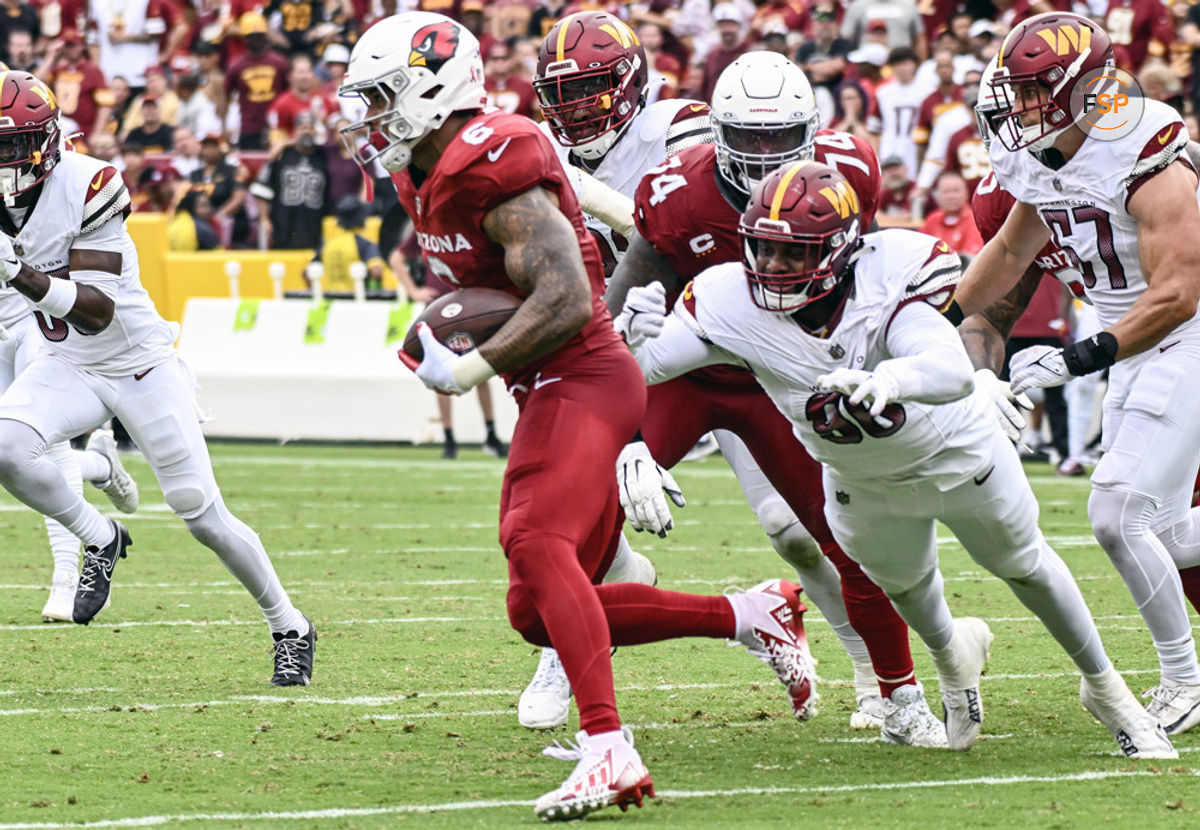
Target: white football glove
{"points": [[880, 386], [643, 315], [10, 265], [445, 371], [640, 486], [1037, 366], [1007, 405]]}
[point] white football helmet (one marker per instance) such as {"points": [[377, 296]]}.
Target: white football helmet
{"points": [[764, 115], [990, 102], [413, 70]]}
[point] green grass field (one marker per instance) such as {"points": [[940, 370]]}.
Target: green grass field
{"points": [[160, 713]]}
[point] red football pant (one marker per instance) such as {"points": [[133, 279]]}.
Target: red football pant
{"points": [[560, 521], [681, 410]]}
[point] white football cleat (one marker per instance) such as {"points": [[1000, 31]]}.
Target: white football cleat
{"points": [[61, 602], [120, 488], [546, 701], [1137, 733], [961, 700], [907, 720], [870, 712], [1176, 708], [777, 638], [609, 771]]}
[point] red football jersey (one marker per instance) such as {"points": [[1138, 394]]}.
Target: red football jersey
{"points": [[966, 156], [1138, 28], [698, 227], [494, 158], [991, 205]]}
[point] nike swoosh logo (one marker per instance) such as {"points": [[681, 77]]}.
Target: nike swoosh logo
{"points": [[981, 479], [99, 180], [141, 375], [495, 154], [540, 382], [1162, 349], [698, 107], [1162, 138]]}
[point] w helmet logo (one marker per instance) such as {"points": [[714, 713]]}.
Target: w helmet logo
{"points": [[1067, 39], [433, 45], [842, 197]]}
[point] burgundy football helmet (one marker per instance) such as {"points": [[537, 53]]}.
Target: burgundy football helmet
{"points": [[1038, 66], [30, 139], [591, 80], [812, 209]]}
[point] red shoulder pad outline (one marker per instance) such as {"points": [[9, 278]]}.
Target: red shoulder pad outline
{"points": [[105, 198], [688, 297], [696, 109], [1167, 145]]}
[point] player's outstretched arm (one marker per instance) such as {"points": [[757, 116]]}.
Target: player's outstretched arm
{"points": [[1169, 248], [83, 306], [641, 265], [985, 333], [541, 256], [1002, 262]]}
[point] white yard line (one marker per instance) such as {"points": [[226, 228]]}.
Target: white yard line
{"points": [[423, 697], [458, 806]]}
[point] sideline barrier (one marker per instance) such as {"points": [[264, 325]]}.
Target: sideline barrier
{"points": [[293, 370], [172, 277]]}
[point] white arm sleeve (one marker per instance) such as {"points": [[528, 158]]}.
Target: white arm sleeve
{"points": [[676, 351], [110, 236], [930, 362]]}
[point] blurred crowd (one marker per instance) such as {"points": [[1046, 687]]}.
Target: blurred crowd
{"points": [[225, 115]]}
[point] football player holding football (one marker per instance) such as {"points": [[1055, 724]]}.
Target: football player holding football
{"points": [[592, 81], [64, 246], [845, 334], [1123, 207], [493, 207]]}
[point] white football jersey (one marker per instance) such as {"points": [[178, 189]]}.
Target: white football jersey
{"points": [[82, 206], [1084, 204], [899, 107], [658, 131], [13, 307], [909, 441]]}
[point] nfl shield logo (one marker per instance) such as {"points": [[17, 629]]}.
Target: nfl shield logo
{"points": [[1057, 182], [417, 201], [837, 352], [460, 342]]}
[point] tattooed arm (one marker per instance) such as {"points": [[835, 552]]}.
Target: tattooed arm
{"points": [[541, 256], [985, 333]]}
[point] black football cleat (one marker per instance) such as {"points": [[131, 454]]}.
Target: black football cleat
{"points": [[95, 577], [294, 656]]}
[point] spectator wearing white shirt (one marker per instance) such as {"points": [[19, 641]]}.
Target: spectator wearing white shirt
{"points": [[898, 103]]}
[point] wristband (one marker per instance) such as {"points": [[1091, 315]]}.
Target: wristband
{"points": [[470, 370], [1091, 355], [59, 299], [954, 314]]}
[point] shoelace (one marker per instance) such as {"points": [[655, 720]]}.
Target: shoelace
{"points": [[287, 654], [88, 573], [568, 750]]}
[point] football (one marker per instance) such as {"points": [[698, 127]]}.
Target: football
{"points": [[463, 319]]}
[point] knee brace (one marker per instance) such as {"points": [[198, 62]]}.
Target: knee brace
{"points": [[187, 500]]}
